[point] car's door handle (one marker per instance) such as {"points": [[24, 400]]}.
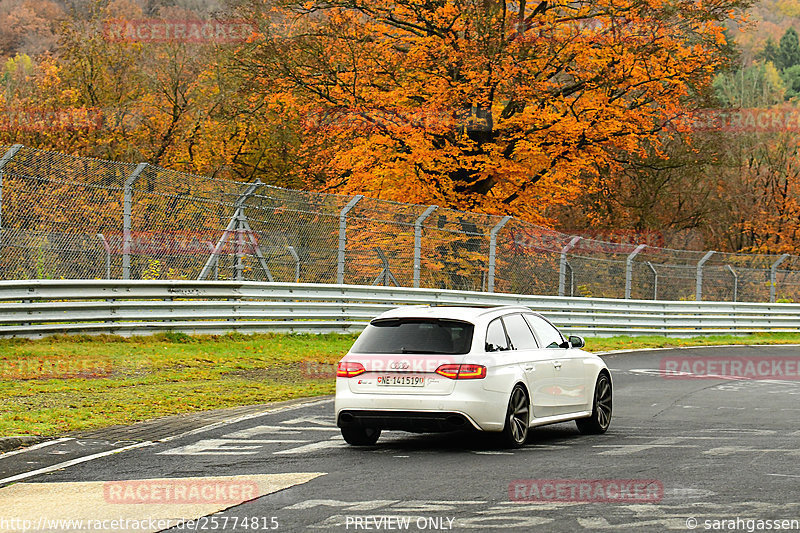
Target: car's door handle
{"points": [[557, 364], [529, 368]]}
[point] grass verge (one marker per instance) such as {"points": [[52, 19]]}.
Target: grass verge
{"points": [[61, 384]]}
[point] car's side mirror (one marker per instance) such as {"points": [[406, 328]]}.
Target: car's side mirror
{"points": [[576, 341]]}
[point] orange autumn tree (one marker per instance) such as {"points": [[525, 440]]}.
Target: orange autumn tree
{"points": [[500, 107]]}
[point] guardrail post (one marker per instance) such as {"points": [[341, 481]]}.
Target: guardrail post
{"points": [[655, 279], [629, 270], [296, 258], [698, 292], [343, 237], [735, 282], [773, 277], [493, 249], [418, 242], [562, 267], [107, 248], [127, 211], [3, 162]]}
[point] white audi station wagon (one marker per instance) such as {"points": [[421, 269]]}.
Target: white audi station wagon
{"points": [[495, 369]]}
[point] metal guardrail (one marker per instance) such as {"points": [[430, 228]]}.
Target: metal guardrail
{"points": [[37, 308]]}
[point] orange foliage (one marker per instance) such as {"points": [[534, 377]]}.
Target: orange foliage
{"points": [[482, 105]]}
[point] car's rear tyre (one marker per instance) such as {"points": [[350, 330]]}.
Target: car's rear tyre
{"points": [[601, 408], [361, 436], [515, 431]]}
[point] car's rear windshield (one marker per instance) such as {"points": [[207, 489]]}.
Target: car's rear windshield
{"points": [[413, 335]]}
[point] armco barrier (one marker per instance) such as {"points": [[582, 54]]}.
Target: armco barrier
{"points": [[36, 308]]}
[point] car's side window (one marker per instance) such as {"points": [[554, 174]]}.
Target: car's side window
{"points": [[519, 333], [496, 339], [548, 336]]}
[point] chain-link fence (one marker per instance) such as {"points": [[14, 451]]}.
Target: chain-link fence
{"points": [[70, 217]]}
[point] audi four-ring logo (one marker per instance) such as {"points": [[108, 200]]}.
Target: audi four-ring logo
{"points": [[399, 366]]}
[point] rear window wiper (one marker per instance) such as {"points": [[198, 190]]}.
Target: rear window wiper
{"points": [[406, 350]]}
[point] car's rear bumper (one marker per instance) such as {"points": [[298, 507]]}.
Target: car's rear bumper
{"points": [[482, 409], [414, 421]]}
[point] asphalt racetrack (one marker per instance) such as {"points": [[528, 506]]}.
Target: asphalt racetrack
{"points": [[717, 454]]}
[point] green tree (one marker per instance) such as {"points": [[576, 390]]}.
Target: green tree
{"points": [[791, 78], [770, 52], [788, 50], [758, 85]]}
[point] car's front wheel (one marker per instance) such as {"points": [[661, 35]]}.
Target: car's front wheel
{"points": [[601, 408], [358, 436], [515, 431]]}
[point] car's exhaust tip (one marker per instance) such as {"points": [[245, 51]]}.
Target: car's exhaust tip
{"points": [[346, 418], [456, 421]]}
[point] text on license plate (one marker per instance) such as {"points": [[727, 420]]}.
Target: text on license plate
{"points": [[403, 381]]}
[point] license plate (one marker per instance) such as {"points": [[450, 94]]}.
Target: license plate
{"points": [[401, 381]]}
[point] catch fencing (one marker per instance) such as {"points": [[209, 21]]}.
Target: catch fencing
{"points": [[65, 217], [36, 308]]}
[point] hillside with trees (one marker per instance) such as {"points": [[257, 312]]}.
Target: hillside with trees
{"points": [[576, 115]]}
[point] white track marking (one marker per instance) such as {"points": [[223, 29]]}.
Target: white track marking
{"points": [[270, 430], [243, 418], [73, 462], [35, 447], [334, 442], [226, 446]]}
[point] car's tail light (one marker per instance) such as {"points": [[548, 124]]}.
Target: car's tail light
{"points": [[462, 371], [347, 369], [472, 372], [448, 371]]}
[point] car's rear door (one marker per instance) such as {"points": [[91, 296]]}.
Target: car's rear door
{"points": [[566, 392], [535, 363]]}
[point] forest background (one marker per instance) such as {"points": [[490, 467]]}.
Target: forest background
{"points": [[616, 119]]}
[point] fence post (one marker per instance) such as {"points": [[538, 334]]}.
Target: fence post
{"points": [[629, 270], [3, 162], [773, 277], [493, 250], [562, 267], [343, 237], [418, 242], [107, 248], [735, 282], [127, 210], [655, 280], [698, 291]]}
